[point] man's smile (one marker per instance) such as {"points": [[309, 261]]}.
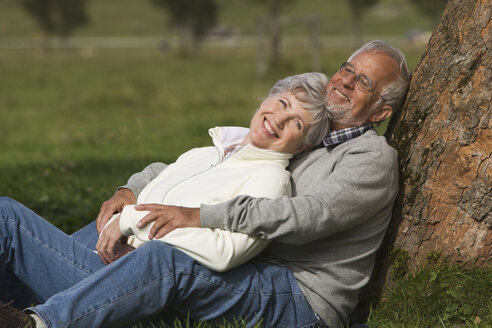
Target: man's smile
{"points": [[341, 95]]}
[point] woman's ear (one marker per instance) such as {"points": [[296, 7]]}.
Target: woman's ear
{"points": [[381, 114]]}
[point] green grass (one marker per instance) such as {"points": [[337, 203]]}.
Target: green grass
{"points": [[437, 296], [138, 18], [74, 127]]}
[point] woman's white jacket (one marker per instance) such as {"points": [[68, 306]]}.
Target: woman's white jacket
{"points": [[202, 176]]}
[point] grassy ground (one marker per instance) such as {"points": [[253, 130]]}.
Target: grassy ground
{"points": [[74, 125]]}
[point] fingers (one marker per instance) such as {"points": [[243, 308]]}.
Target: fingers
{"points": [[161, 228], [112, 244], [115, 204], [102, 252], [159, 215], [157, 212], [104, 215]]}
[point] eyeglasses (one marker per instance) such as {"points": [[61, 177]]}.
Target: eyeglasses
{"points": [[363, 82]]}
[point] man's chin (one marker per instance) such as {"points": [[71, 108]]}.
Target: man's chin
{"points": [[340, 114]]}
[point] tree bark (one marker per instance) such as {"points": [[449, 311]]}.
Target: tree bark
{"points": [[443, 136], [444, 141]]}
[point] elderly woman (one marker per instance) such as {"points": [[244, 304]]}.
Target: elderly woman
{"points": [[242, 162]]}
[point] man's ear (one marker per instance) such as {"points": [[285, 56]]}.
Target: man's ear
{"points": [[381, 114]]}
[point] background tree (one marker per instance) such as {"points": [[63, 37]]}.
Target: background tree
{"points": [[57, 17], [273, 25], [432, 9], [443, 136], [192, 17], [357, 9]]}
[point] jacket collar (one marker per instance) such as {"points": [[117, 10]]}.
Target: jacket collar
{"points": [[229, 136]]}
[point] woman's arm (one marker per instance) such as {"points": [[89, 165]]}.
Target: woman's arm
{"points": [[216, 249]]}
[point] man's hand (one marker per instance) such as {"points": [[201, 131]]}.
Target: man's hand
{"points": [[112, 243], [167, 218], [115, 204]]}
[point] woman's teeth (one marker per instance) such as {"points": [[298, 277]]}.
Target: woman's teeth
{"points": [[269, 128]]}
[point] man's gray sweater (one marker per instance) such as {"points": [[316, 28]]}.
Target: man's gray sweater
{"points": [[329, 231]]}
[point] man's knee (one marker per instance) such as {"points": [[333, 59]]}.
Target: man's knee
{"points": [[9, 204]]}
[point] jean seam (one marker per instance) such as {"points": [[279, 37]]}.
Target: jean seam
{"points": [[40, 242], [132, 291], [240, 291]]}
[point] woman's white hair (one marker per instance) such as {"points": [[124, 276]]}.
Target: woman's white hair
{"points": [[310, 90], [395, 91]]}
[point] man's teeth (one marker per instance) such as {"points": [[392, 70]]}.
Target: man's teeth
{"points": [[341, 95]]}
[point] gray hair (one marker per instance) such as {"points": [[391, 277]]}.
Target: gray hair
{"points": [[395, 91], [310, 90]]}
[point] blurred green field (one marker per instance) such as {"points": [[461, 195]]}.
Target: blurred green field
{"points": [[74, 127], [76, 124], [390, 18]]}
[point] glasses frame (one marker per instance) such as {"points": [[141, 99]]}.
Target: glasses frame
{"points": [[368, 87]]}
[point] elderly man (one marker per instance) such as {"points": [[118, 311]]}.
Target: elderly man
{"points": [[323, 239]]}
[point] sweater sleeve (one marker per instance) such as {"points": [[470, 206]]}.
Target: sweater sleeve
{"points": [[360, 185], [216, 249], [137, 182]]}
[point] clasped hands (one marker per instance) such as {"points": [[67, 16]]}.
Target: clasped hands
{"points": [[112, 244]]}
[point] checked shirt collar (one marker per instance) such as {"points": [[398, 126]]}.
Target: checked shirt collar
{"points": [[340, 136]]}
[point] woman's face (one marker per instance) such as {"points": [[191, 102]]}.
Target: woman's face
{"points": [[281, 124]]}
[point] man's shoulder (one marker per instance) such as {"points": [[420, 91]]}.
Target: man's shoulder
{"points": [[370, 141]]}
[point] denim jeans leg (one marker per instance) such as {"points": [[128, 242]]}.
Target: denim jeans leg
{"points": [[88, 235], [157, 277], [40, 255]]}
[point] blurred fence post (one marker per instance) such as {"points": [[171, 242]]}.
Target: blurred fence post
{"points": [[261, 59]]}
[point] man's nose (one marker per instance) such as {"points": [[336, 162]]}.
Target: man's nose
{"points": [[349, 81]]}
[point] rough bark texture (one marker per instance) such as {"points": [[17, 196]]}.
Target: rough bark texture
{"points": [[444, 141], [443, 136]]}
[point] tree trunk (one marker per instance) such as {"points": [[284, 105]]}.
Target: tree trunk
{"points": [[444, 140]]}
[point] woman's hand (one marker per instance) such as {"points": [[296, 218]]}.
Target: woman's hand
{"points": [[112, 243], [115, 204], [167, 218]]}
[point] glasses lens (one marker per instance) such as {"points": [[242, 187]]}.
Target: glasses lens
{"points": [[346, 69], [364, 83]]}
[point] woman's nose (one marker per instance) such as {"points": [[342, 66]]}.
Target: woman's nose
{"points": [[282, 119]]}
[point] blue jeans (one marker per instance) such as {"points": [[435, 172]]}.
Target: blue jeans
{"points": [[76, 289]]}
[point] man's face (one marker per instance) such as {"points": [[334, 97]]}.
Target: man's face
{"points": [[350, 105], [281, 124]]}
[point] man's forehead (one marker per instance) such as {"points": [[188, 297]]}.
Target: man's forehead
{"points": [[378, 64]]}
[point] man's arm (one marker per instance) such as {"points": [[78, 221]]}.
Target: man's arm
{"points": [[360, 186], [355, 190], [216, 249], [137, 182]]}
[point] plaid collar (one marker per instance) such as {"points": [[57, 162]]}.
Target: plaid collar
{"points": [[340, 136]]}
